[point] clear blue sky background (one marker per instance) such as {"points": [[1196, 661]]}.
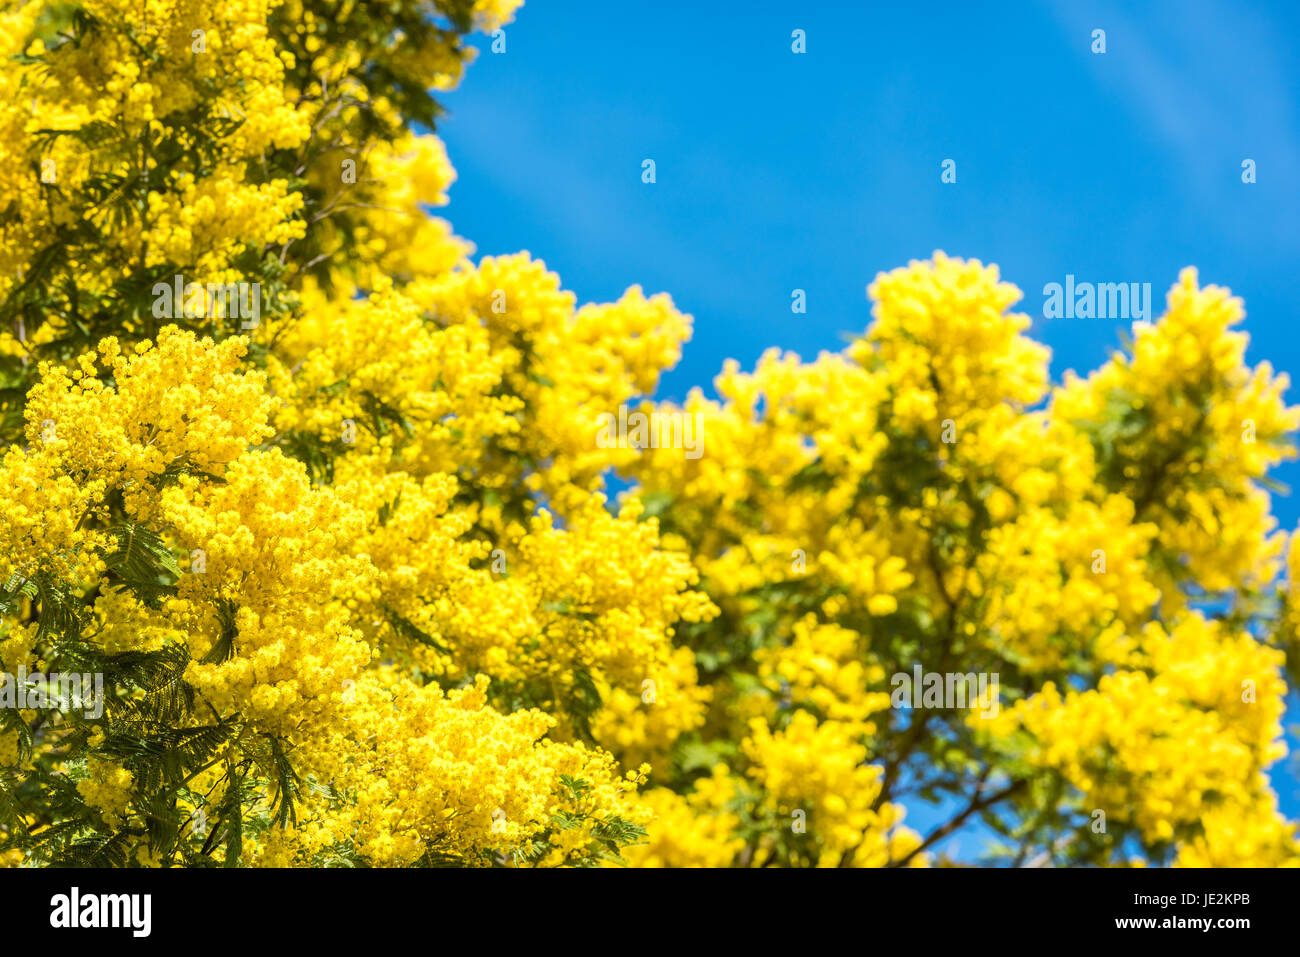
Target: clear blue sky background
{"points": [[779, 171]]}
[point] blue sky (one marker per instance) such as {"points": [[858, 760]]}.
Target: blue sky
{"points": [[778, 171]]}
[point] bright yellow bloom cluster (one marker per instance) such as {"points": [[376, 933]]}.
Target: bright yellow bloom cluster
{"points": [[1159, 749], [1211, 425], [695, 830], [242, 528], [217, 60], [821, 670], [923, 504], [429, 775], [946, 345], [817, 771], [106, 788]]}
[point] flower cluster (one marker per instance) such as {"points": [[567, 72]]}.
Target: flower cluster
{"points": [[1102, 551]]}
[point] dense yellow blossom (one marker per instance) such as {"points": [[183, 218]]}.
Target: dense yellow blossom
{"points": [[696, 830], [925, 501]]}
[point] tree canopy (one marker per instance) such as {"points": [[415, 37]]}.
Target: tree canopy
{"points": [[320, 499]]}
